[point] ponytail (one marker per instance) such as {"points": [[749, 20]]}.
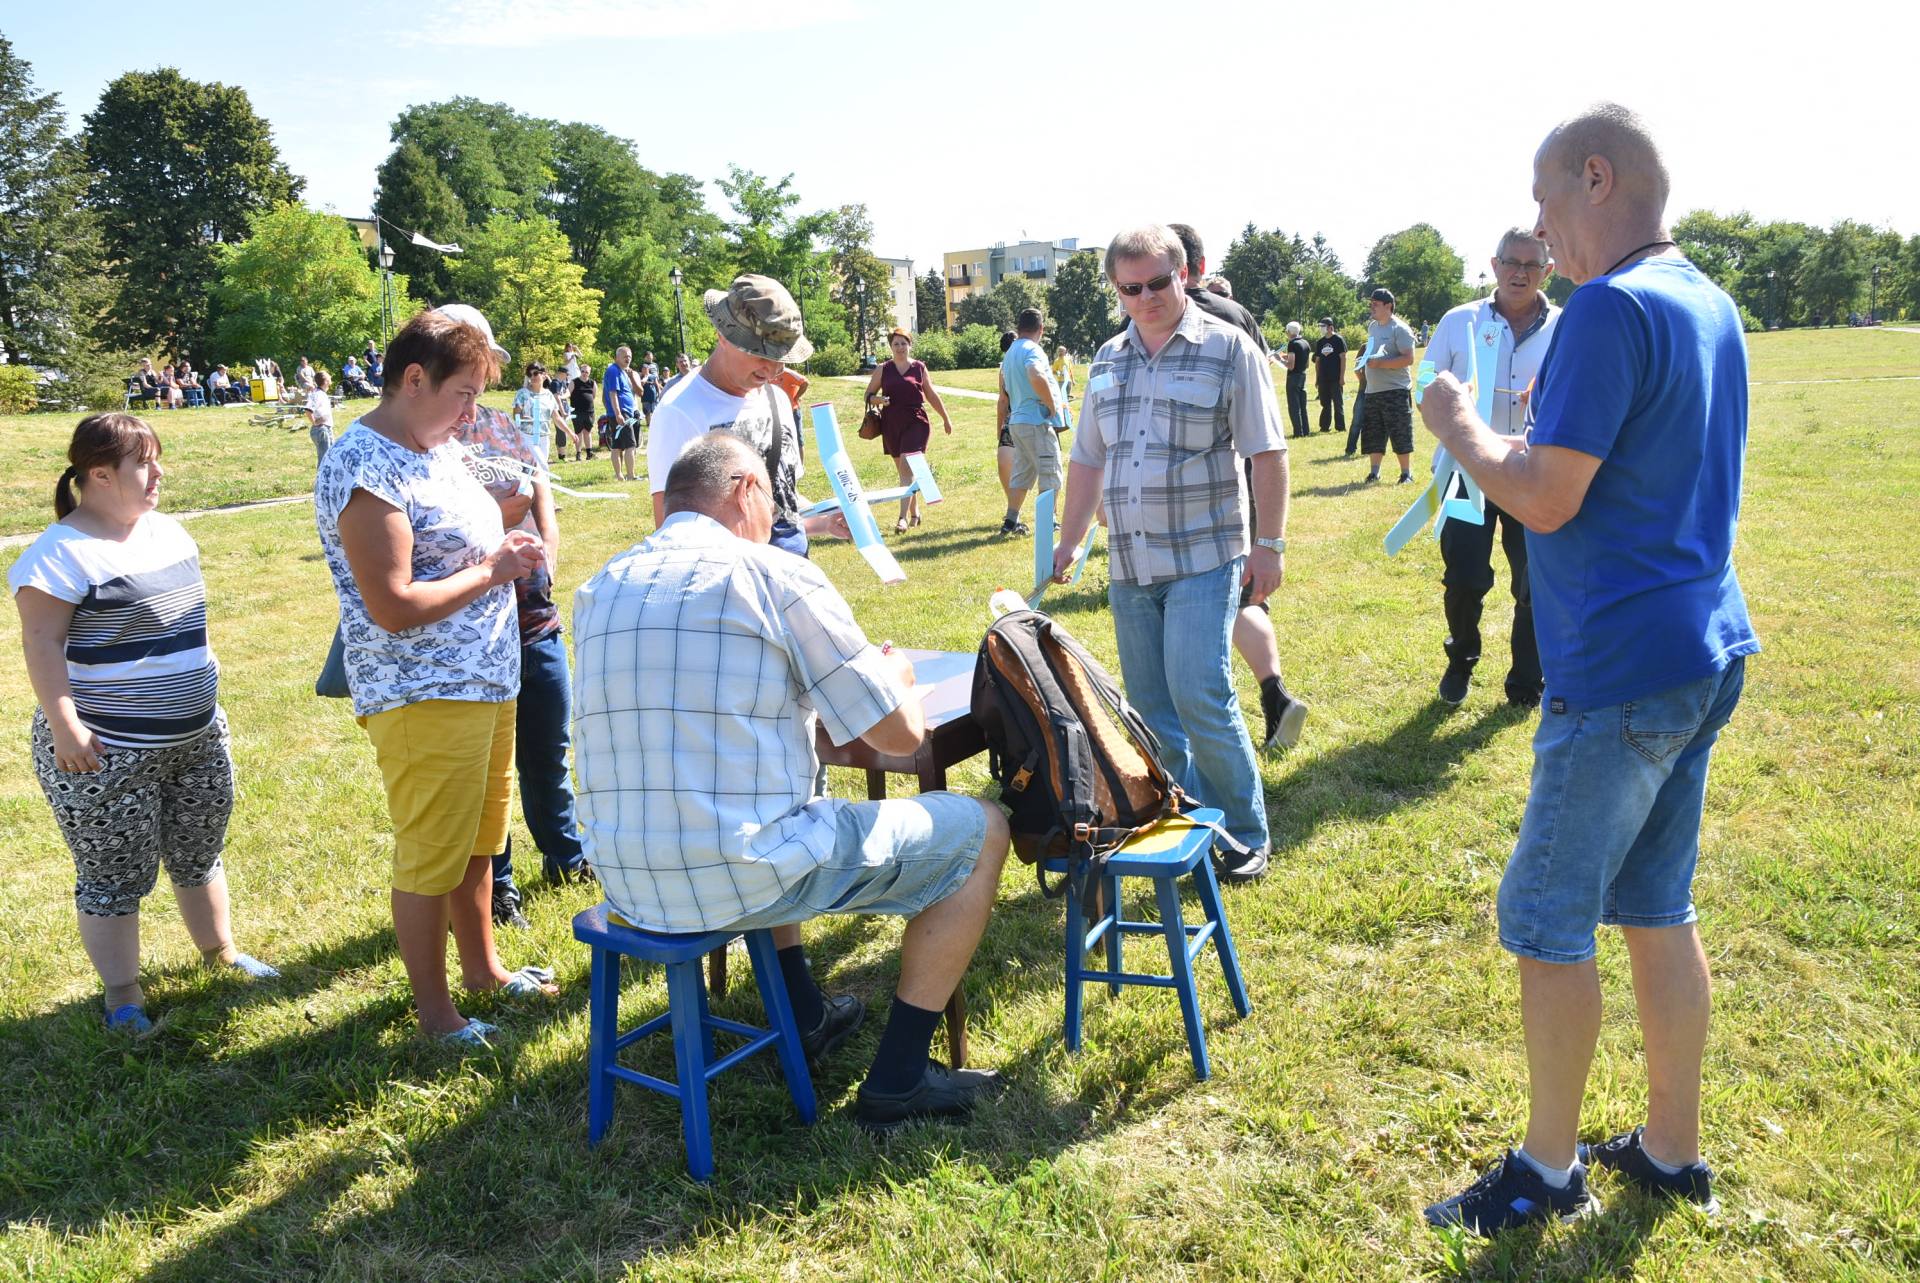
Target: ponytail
{"points": [[101, 441]]}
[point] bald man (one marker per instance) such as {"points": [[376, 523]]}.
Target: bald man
{"points": [[1629, 489]]}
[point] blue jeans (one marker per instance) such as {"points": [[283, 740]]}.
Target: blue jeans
{"points": [[1175, 641], [1612, 828], [540, 756]]}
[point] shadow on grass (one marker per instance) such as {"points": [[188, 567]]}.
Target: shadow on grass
{"points": [[1606, 1246], [392, 1181], [1332, 490]]}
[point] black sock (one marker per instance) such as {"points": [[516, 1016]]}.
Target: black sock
{"points": [[1278, 687], [902, 1057], [808, 1009]]}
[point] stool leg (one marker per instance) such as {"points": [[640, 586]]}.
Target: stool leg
{"points": [[1174, 924], [773, 996], [683, 1004], [1076, 963], [1116, 938], [603, 1027], [1209, 889]]}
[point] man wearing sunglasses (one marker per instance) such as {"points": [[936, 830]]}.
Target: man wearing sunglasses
{"points": [[1171, 405], [1524, 319]]}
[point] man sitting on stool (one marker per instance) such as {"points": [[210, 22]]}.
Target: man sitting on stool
{"points": [[703, 656]]}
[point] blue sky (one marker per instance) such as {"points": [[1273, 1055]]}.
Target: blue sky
{"points": [[960, 125]]}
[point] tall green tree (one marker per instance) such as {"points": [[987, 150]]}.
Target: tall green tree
{"points": [[1835, 280], [496, 160], [50, 294], [851, 265], [930, 301], [638, 306], [600, 191], [177, 166], [1080, 305], [299, 285], [1718, 244], [521, 273], [767, 237], [411, 194], [1261, 266], [1422, 270]]}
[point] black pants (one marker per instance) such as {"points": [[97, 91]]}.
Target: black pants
{"points": [[1333, 408], [1297, 405], [1467, 552]]}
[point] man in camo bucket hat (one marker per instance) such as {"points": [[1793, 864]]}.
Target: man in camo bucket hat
{"points": [[758, 316]]}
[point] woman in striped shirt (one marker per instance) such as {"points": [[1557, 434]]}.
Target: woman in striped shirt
{"points": [[129, 742]]}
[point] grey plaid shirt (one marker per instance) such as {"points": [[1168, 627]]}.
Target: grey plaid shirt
{"points": [[700, 662], [1169, 431]]}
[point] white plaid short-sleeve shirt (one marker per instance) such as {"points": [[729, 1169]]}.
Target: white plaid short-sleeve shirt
{"points": [[700, 663], [1169, 431]]}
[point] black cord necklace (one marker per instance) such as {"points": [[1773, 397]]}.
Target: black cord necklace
{"points": [[1631, 253]]}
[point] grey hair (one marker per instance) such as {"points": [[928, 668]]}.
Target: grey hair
{"points": [[1149, 241], [1293, 328], [1610, 130], [706, 469], [1520, 236], [623, 349]]}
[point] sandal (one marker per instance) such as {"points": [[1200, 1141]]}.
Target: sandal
{"points": [[252, 968], [130, 1018], [475, 1034], [529, 982], [900, 526]]}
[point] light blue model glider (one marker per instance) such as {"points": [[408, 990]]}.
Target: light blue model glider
{"points": [[855, 503]]}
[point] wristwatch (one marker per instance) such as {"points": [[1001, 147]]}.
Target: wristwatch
{"points": [[1277, 545]]}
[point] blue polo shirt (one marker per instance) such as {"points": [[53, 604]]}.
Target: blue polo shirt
{"points": [[1636, 594], [1023, 403], [618, 391]]}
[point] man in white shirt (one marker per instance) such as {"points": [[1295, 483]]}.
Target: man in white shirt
{"points": [[320, 415], [704, 658], [758, 332], [1524, 318]]}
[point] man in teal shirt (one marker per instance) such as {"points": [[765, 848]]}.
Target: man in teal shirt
{"points": [[1030, 406]]}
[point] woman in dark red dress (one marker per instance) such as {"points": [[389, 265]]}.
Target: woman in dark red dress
{"points": [[901, 390]]}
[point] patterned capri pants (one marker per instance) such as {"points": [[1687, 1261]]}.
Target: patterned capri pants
{"points": [[143, 808]]}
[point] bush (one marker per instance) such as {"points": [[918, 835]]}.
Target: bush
{"points": [[977, 348], [834, 359], [19, 389], [92, 378], [1751, 323], [1356, 337], [935, 349]]}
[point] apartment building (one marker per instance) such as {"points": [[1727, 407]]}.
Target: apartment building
{"points": [[970, 271]]}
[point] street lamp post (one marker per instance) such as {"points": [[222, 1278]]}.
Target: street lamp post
{"points": [[1483, 282], [679, 317], [1773, 302], [860, 293], [1300, 284], [1873, 296], [386, 293]]}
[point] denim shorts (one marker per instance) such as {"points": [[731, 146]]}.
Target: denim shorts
{"points": [[894, 857], [1612, 827]]}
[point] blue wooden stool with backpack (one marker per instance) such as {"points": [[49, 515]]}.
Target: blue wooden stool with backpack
{"points": [[1089, 799], [692, 1024]]}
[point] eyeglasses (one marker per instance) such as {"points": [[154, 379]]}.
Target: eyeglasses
{"points": [[1133, 289], [1521, 265]]}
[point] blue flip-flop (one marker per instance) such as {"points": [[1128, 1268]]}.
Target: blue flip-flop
{"points": [[528, 982], [131, 1018], [252, 968], [475, 1033]]}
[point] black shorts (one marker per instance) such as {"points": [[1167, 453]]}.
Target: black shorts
{"points": [[1006, 438], [621, 436], [1387, 418]]}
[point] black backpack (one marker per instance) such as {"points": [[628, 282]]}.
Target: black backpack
{"points": [[1077, 767]]}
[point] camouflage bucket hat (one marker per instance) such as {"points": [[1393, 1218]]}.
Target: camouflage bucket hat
{"points": [[758, 316]]}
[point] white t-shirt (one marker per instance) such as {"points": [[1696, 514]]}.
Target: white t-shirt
{"points": [[304, 376], [142, 673], [472, 654], [320, 406], [694, 406]]}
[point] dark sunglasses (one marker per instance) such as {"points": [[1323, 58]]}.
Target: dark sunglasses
{"points": [[1134, 289], [1522, 265]]}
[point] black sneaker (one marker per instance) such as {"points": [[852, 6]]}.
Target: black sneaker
{"points": [[506, 909], [1019, 529], [1511, 1194], [1523, 696], [940, 1093], [1372, 477], [842, 1016], [1406, 479], [1627, 1156], [1284, 715], [1235, 868], [1454, 682]]}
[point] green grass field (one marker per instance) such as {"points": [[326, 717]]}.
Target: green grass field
{"points": [[300, 1130]]}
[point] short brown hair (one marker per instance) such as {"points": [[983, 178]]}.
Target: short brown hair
{"points": [[101, 441], [442, 347]]}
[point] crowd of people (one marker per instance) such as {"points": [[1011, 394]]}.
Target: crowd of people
{"points": [[703, 656]]}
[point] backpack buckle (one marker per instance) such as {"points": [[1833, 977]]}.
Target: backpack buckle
{"points": [[1083, 833], [1020, 779]]}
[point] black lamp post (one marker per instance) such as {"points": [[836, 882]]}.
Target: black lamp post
{"points": [[1483, 282], [1873, 296], [1300, 284], [1773, 302], [860, 293], [679, 317], [386, 293]]}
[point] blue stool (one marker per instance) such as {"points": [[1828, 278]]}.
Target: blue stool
{"points": [[1166, 854], [195, 397], [693, 1025]]}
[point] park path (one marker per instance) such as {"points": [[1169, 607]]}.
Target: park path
{"points": [[14, 541], [960, 392]]}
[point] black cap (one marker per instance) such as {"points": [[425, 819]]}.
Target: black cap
{"points": [[1327, 321], [1382, 295]]}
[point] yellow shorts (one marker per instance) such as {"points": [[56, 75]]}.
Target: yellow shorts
{"points": [[448, 768]]}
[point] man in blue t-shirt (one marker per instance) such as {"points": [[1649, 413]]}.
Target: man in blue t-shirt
{"points": [[1029, 406], [1629, 489]]}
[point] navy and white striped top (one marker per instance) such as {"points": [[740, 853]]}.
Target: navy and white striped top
{"points": [[137, 655]]}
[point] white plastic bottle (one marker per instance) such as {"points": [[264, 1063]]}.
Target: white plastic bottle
{"points": [[1005, 601]]}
